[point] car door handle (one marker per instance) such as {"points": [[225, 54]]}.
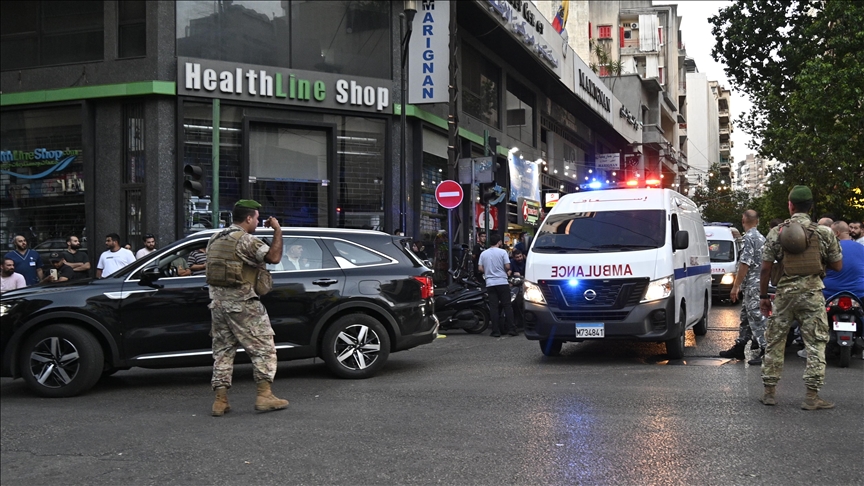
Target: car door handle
{"points": [[324, 282]]}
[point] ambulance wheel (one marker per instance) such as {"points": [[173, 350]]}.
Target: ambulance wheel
{"points": [[675, 346], [701, 327]]}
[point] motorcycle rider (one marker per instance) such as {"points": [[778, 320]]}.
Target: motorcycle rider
{"points": [[805, 250]]}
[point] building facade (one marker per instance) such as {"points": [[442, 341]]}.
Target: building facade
{"points": [[702, 128]]}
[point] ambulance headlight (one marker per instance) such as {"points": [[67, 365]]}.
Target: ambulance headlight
{"points": [[532, 293], [728, 279], [658, 289]]}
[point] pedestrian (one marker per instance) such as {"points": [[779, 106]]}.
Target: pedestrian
{"points": [[27, 262], [856, 232], [799, 296], [749, 265], [517, 263], [76, 258], [114, 257], [9, 278], [479, 246], [851, 277], [60, 271], [399, 232], [149, 246], [197, 261], [238, 317], [826, 221], [495, 264]]}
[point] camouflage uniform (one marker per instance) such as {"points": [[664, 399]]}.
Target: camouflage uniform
{"points": [[799, 297], [239, 318], [752, 322]]}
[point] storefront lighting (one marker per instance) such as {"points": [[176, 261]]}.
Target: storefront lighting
{"points": [[590, 171], [202, 127]]}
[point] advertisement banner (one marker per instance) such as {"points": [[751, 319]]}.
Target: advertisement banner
{"points": [[607, 162], [429, 54], [524, 179]]}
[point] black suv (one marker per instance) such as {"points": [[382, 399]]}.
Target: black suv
{"points": [[357, 296]]}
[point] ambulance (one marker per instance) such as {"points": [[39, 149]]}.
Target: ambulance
{"points": [[618, 264], [723, 250]]}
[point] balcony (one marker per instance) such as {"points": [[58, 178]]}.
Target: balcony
{"points": [[723, 114], [682, 129], [682, 88], [725, 147]]}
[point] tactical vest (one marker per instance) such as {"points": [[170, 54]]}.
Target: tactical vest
{"points": [[808, 262], [224, 266]]}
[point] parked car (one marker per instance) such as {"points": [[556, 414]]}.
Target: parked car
{"points": [[359, 296]]}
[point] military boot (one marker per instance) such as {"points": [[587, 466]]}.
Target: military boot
{"points": [[768, 396], [265, 401], [758, 359], [736, 351], [220, 405], [813, 402]]}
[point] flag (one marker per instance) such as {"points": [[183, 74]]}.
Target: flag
{"points": [[560, 20]]}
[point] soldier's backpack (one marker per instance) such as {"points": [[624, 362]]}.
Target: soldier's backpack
{"points": [[807, 262]]}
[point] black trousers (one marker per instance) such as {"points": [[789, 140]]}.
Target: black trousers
{"points": [[499, 296]]}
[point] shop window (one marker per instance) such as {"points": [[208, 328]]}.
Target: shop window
{"points": [[360, 156], [246, 32], [131, 28], [520, 112], [480, 81], [50, 32], [346, 37], [198, 150], [42, 198], [433, 217], [133, 219]]}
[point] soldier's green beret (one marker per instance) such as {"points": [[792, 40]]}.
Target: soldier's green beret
{"points": [[800, 194], [247, 203]]}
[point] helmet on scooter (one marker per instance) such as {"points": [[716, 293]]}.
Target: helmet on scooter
{"points": [[793, 238]]}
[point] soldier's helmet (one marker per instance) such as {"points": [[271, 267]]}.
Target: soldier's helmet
{"points": [[793, 238]]}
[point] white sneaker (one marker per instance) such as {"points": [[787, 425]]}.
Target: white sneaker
{"points": [[802, 353]]}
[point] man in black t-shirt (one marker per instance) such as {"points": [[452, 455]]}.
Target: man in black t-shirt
{"points": [[76, 259], [64, 272]]}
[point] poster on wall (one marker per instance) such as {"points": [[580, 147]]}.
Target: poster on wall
{"points": [[429, 54], [524, 179]]}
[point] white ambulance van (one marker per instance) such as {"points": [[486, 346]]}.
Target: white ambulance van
{"points": [[723, 250], [618, 264]]}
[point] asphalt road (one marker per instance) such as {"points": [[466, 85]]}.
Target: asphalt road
{"points": [[463, 410]]}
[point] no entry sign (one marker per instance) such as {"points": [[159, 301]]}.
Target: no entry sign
{"points": [[449, 194]]}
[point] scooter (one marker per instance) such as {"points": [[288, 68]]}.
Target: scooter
{"points": [[846, 318], [517, 302], [463, 305]]}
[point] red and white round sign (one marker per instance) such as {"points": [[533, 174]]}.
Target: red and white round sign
{"points": [[449, 194]]}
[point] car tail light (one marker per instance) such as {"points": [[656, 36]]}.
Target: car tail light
{"points": [[427, 288]]}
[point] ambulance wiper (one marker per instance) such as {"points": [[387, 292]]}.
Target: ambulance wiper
{"points": [[562, 249]]}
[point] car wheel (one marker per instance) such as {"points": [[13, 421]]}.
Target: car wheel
{"points": [[355, 346], [675, 346], [550, 347], [482, 322], [701, 327], [61, 361]]}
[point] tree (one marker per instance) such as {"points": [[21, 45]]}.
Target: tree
{"points": [[717, 201], [802, 64]]}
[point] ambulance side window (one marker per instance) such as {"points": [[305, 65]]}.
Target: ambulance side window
{"points": [[674, 228]]}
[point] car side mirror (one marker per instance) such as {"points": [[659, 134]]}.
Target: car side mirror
{"points": [[150, 274], [682, 240]]}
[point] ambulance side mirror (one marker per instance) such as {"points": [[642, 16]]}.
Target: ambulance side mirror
{"points": [[682, 240]]}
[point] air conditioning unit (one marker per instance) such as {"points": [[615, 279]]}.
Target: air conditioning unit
{"points": [[634, 26]]}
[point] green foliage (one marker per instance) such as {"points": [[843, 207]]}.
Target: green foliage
{"points": [[802, 64], [718, 202]]}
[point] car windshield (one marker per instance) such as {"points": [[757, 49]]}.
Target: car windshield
{"points": [[602, 231], [721, 251]]}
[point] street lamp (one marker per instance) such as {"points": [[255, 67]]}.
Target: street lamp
{"points": [[406, 22]]}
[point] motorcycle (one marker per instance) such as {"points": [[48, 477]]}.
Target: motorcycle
{"points": [[846, 318], [517, 302], [463, 305]]}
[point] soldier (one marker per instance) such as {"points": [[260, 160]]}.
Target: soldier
{"points": [[805, 249], [235, 258], [752, 323]]}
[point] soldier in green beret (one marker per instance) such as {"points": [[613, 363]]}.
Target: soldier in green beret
{"points": [[234, 259], [799, 296]]}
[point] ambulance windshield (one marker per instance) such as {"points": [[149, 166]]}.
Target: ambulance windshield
{"points": [[602, 231], [721, 251]]}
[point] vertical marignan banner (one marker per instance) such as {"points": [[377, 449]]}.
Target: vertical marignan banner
{"points": [[428, 53]]}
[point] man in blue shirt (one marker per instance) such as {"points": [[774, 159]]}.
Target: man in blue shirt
{"points": [[851, 277], [27, 262]]}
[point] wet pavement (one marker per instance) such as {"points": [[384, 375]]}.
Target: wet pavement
{"points": [[466, 409]]}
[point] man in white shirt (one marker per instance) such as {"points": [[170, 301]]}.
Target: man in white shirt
{"points": [[9, 280], [495, 263], [295, 253], [149, 247], [114, 258]]}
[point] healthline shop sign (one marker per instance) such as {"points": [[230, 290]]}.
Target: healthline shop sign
{"points": [[268, 84]]}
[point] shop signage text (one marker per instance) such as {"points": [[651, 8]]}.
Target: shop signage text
{"points": [[429, 54], [531, 22], [59, 160], [216, 79], [529, 212], [631, 118], [594, 91]]}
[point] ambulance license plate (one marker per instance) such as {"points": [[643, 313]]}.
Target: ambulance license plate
{"points": [[590, 330], [844, 326]]}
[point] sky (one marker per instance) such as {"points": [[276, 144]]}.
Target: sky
{"points": [[698, 40]]}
